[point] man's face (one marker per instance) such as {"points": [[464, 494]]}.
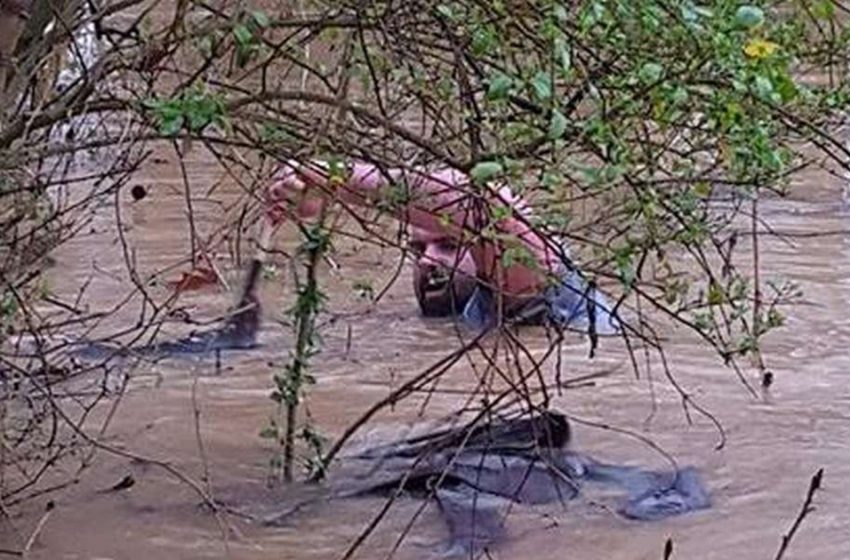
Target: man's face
{"points": [[443, 274]]}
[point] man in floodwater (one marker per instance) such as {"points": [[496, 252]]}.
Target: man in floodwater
{"points": [[476, 255]]}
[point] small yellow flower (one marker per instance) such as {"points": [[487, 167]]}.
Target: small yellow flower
{"points": [[760, 48]]}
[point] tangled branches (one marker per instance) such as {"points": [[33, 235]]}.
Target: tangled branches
{"points": [[643, 134]]}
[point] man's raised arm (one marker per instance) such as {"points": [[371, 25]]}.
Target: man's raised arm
{"points": [[443, 201]]}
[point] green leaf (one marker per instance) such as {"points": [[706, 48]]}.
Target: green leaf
{"points": [[650, 72], [260, 18], [205, 45], [499, 87], [557, 126], [484, 41], [273, 134], [679, 96], [764, 87], [785, 86], [171, 126], [518, 254], [500, 212], [775, 318], [715, 294], [269, 432], [749, 17], [337, 169], [542, 84], [242, 34], [485, 170], [519, 132], [689, 13], [563, 53], [702, 189], [9, 305], [625, 268], [825, 9], [560, 13], [445, 11]]}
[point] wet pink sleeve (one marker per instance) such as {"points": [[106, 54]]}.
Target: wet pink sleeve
{"points": [[434, 196]]}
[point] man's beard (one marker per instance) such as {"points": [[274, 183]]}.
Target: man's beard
{"points": [[442, 294]]}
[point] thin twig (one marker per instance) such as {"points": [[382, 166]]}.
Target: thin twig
{"points": [[37, 531], [807, 508]]}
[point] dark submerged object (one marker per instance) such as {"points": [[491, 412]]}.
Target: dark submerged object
{"points": [[475, 474], [138, 192], [239, 332]]}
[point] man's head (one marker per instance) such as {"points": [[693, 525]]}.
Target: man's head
{"points": [[443, 273]]}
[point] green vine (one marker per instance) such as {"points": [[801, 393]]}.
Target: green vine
{"points": [[293, 379]]}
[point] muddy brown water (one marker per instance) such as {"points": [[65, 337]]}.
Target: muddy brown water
{"points": [[758, 480]]}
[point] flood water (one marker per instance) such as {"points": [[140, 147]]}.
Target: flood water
{"points": [[758, 480]]}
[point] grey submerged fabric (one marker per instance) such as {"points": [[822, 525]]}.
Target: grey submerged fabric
{"points": [[479, 473]]}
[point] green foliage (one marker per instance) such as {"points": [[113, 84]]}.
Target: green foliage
{"points": [[515, 253], [8, 310], [316, 442], [485, 171], [292, 380], [499, 86], [273, 134], [558, 125], [749, 17], [643, 132], [194, 110], [247, 36], [655, 107], [623, 122], [541, 86]]}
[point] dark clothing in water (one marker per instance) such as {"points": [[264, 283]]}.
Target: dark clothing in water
{"points": [[475, 475]]}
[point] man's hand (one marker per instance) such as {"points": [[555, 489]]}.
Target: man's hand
{"points": [[300, 188]]}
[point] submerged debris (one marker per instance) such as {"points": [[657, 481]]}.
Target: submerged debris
{"points": [[239, 332], [475, 474]]}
